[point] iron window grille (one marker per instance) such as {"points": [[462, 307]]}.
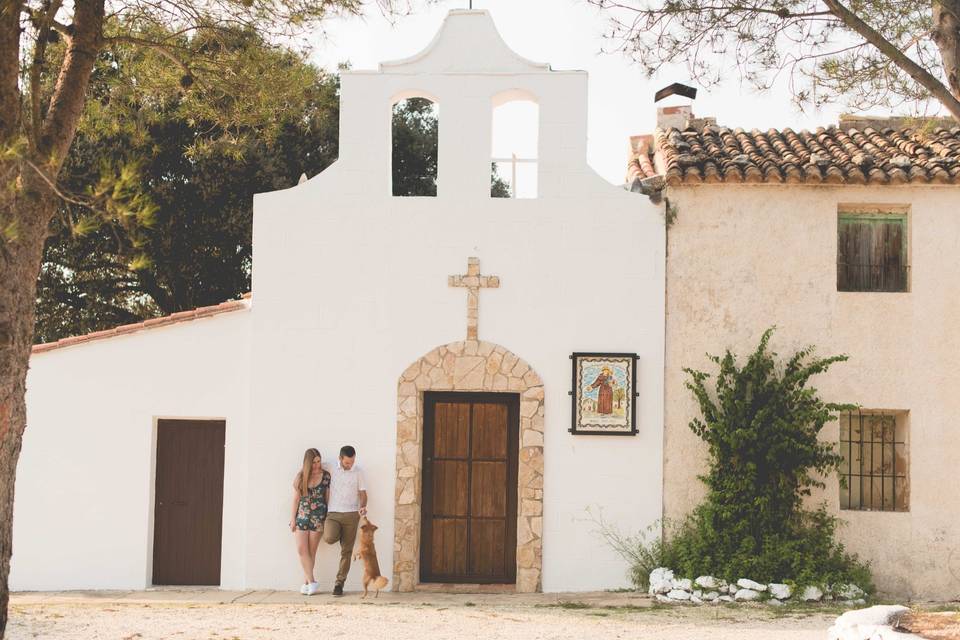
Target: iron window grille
{"points": [[873, 473]]}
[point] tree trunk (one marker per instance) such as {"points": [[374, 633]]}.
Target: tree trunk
{"points": [[924, 77], [19, 265], [946, 35], [30, 204]]}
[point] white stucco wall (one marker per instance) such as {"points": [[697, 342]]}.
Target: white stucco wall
{"points": [[83, 513], [350, 287], [743, 258]]}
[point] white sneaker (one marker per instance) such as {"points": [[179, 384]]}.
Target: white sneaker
{"points": [[303, 588], [312, 588]]}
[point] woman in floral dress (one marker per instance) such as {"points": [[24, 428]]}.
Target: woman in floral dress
{"points": [[311, 491]]}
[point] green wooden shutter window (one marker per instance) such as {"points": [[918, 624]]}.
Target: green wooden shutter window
{"points": [[872, 252]]}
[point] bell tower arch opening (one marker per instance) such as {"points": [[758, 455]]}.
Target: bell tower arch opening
{"points": [[415, 136]]}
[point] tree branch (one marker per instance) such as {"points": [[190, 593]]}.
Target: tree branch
{"points": [[53, 185], [69, 94], [160, 296], [164, 50], [946, 35], [65, 30], [44, 21], [923, 77], [9, 70]]}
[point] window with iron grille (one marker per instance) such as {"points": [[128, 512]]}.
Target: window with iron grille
{"points": [[872, 252], [873, 474]]}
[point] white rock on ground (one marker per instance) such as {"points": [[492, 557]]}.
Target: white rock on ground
{"points": [[848, 591], [773, 602], [732, 589], [698, 593], [678, 594], [711, 595], [811, 594], [881, 614], [868, 632], [696, 599], [707, 582], [725, 599], [780, 591], [684, 583], [873, 623], [661, 580], [744, 583], [746, 595]]}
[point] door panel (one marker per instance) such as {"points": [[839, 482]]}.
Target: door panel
{"points": [[469, 511], [450, 488], [489, 490], [452, 430], [188, 508], [488, 549], [449, 546], [489, 431]]}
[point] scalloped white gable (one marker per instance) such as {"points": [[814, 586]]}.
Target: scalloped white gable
{"points": [[467, 42]]}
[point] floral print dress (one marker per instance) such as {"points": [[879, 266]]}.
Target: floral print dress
{"points": [[312, 510]]}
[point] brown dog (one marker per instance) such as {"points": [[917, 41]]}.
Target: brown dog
{"points": [[371, 568]]}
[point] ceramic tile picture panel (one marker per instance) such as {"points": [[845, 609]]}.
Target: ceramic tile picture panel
{"points": [[604, 393]]}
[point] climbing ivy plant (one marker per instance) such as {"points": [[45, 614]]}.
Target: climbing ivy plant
{"points": [[761, 422]]}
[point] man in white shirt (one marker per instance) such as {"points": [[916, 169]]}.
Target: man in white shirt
{"points": [[348, 501]]}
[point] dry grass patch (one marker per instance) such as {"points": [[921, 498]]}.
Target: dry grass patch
{"points": [[934, 625]]}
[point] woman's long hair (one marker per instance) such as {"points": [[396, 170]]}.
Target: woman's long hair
{"points": [[302, 483]]}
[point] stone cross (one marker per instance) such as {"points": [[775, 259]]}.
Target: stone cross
{"points": [[473, 282]]}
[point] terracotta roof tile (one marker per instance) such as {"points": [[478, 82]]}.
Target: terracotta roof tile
{"points": [[181, 316], [836, 156], [641, 158]]}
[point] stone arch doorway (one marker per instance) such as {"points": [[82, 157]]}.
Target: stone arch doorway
{"points": [[470, 366]]}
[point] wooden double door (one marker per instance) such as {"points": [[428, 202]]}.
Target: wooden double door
{"points": [[188, 510], [469, 510]]}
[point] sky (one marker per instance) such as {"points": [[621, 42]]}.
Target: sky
{"points": [[568, 34]]}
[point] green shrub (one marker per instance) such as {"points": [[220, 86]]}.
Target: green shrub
{"points": [[761, 423]]}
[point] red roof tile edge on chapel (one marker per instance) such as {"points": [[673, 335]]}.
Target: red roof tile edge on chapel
{"points": [[857, 152], [152, 323]]}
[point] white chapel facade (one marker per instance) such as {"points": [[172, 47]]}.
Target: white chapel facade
{"points": [[434, 334]]}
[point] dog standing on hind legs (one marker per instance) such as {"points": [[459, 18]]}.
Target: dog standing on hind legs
{"points": [[368, 553]]}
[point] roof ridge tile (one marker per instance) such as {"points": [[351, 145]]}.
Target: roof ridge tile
{"points": [[149, 323]]}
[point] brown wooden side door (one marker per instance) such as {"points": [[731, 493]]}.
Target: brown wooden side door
{"points": [[188, 509], [469, 511]]}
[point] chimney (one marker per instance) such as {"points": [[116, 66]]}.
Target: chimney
{"points": [[681, 116], [674, 117]]}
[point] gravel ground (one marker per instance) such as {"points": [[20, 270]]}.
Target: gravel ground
{"points": [[404, 621]]}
